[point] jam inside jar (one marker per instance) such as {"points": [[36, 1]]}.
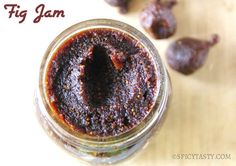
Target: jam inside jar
{"points": [[102, 91]]}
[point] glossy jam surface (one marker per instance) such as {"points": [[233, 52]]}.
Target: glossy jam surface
{"points": [[101, 82]]}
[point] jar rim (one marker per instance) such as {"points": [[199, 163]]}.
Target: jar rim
{"points": [[135, 133]]}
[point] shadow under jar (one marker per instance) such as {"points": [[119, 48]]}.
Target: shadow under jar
{"points": [[102, 90]]}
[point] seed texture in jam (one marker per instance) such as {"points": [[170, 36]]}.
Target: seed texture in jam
{"points": [[102, 82]]}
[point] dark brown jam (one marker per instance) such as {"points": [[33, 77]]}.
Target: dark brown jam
{"points": [[101, 82]]}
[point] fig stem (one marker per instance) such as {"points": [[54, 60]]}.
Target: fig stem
{"points": [[214, 40], [124, 9]]}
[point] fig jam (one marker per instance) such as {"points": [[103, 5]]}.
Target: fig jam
{"points": [[101, 82]]}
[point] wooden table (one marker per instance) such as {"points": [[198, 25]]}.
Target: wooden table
{"points": [[202, 114]]}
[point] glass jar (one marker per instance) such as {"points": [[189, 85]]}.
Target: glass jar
{"points": [[103, 150]]}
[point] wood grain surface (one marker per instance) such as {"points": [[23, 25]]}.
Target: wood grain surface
{"points": [[202, 113]]}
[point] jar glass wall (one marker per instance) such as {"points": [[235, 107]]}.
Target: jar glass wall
{"points": [[103, 149]]}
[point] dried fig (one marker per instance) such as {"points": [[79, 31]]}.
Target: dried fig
{"points": [[187, 54], [122, 4], [158, 20]]}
